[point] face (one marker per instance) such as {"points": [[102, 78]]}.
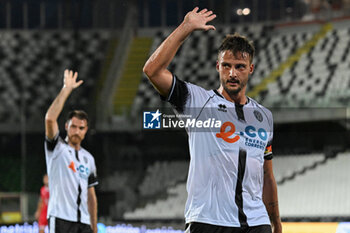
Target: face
{"points": [[234, 71], [46, 180], [76, 130]]}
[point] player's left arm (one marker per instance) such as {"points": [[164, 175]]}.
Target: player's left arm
{"points": [[270, 197], [38, 209], [92, 206]]}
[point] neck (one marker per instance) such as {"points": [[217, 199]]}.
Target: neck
{"points": [[239, 98], [75, 146]]}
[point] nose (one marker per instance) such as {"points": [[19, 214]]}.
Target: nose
{"points": [[233, 72], [75, 130]]}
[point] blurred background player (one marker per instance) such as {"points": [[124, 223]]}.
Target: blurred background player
{"points": [[71, 169], [231, 186], [41, 212]]}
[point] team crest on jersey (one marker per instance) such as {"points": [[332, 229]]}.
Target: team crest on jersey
{"points": [[222, 108], [258, 115]]}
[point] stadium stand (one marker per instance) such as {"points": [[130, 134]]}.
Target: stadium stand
{"points": [[130, 191], [289, 165], [299, 67], [161, 175], [128, 84], [170, 208], [323, 191], [326, 183], [122, 185], [319, 78], [34, 64]]}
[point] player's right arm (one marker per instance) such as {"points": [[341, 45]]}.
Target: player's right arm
{"points": [[69, 84], [156, 66]]}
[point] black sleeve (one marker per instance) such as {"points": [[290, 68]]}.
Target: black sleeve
{"points": [[51, 143], [268, 157], [92, 181], [178, 94]]}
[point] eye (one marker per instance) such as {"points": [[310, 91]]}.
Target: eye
{"points": [[225, 65], [240, 66]]}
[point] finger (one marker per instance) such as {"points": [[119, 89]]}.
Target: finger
{"points": [[209, 27], [65, 73], [210, 18], [70, 73], [75, 76], [208, 13], [195, 9], [203, 11], [79, 83]]}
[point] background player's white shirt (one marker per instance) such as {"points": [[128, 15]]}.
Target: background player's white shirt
{"points": [[215, 195], [70, 174]]}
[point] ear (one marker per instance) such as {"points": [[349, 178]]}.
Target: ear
{"points": [[66, 126], [251, 68], [217, 65]]}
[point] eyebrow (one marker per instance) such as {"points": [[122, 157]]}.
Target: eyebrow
{"points": [[241, 64], [77, 125], [237, 64]]}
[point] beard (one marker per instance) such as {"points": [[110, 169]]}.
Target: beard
{"points": [[233, 91], [74, 139]]}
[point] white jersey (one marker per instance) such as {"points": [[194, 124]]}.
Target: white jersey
{"points": [[225, 180], [70, 173]]}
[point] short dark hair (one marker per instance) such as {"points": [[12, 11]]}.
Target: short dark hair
{"points": [[237, 43], [80, 114]]}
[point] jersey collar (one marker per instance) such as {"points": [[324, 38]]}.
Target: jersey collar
{"points": [[216, 92]]}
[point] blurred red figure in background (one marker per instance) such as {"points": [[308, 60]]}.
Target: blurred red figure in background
{"points": [[41, 212]]}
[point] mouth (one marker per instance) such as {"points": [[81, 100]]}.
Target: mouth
{"points": [[232, 82]]}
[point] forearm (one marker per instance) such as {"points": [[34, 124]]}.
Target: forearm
{"points": [[57, 105], [93, 217], [165, 53], [156, 66], [51, 126], [92, 206], [270, 198], [38, 209]]}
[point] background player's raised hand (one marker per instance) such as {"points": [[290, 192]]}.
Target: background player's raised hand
{"points": [[198, 20], [70, 79]]}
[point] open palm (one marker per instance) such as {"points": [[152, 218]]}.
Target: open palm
{"points": [[70, 79], [198, 20]]}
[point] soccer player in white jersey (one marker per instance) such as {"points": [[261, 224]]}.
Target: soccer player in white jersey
{"points": [[71, 169], [231, 186]]}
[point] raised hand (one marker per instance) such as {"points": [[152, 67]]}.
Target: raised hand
{"points": [[70, 79], [198, 20]]}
